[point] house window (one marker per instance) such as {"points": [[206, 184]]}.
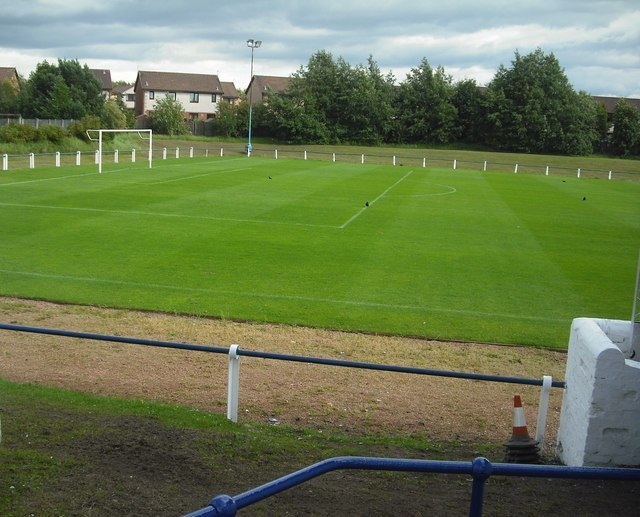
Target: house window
{"points": [[131, 97], [171, 95], [214, 98], [152, 95], [195, 97]]}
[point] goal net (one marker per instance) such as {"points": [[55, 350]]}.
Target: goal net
{"points": [[95, 135]]}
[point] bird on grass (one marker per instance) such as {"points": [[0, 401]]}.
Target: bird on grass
{"points": [[366, 203]]}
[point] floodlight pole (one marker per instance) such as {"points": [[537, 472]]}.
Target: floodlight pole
{"points": [[252, 44]]}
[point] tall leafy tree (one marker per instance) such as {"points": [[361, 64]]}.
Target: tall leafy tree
{"points": [[67, 91], [470, 104], [9, 98], [626, 128], [424, 106], [532, 108]]}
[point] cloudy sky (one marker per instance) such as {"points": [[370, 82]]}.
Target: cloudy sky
{"points": [[597, 42]]}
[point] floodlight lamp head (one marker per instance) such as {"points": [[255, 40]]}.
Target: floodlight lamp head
{"points": [[253, 43]]}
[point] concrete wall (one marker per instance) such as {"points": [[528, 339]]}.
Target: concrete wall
{"points": [[600, 416]]}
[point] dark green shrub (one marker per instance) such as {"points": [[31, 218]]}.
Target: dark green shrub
{"points": [[53, 134]]}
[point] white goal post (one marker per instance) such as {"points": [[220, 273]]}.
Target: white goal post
{"points": [[91, 135]]}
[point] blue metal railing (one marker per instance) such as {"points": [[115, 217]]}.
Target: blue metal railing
{"points": [[480, 469], [281, 357]]}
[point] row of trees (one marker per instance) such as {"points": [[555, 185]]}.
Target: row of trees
{"points": [[66, 90], [527, 107]]}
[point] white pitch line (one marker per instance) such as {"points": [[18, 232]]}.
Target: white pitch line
{"points": [[210, 173], [161, 214], [272, 296], [359, 213]]}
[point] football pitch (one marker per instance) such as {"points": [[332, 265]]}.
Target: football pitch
{"points": [[480, 256]]}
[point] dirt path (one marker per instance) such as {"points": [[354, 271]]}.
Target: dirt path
{"points": [[299, 394]]}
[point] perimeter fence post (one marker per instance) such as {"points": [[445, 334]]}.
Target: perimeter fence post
{"points": [[32, 161], [78, 155], [275, 151], [5, 162], [133, 155], [190, 152], [164, 153], [233, 386], [116, 155], [57, 158], [543, 408], [484, 167]]}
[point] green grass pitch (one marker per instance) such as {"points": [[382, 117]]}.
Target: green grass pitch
{"points": [[437, 253]]}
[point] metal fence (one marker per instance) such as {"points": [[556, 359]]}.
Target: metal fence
{"points": [[35, 122], [480, 469]]}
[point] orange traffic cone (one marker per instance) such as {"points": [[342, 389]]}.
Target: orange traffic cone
{"points": [[521, 448]]}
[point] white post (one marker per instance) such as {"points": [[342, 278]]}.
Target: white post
{"points": [[455, 164], [484, 167], [609, 174], [221, 152], [177, 152], [394, 161], [206, 153], [150, 148], [543, 408], [276, 153], [190, 152], [164, 153], [5, 162], [305, 155], [99, 162], [78, 154], [362, 159], [97, 157], [515, 170], [32, 161], [116, 156], [424, 163], [233, 386], [58, 159], [578, 172], [546, 171], [133, 155], [333, 157]]}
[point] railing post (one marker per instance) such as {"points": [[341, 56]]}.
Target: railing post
{"points": [[333, 157], [116, 155], [305, 155], [543, 408], [481, 470], [32, 161], [221, 152], [5, 162], [424, 163], [97, 157], [515, 169], [177, 152], [57, 158], [133, 155], [276, 153], [455, 164], [190, 152], [362, 159], [233, 385], [78, 155], [394, 160]]}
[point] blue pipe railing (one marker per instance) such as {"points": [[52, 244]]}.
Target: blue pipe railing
{"points": [[480, 469], [281, 357]]}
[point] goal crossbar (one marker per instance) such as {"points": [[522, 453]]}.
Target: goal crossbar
{"points": [[141, 133]]}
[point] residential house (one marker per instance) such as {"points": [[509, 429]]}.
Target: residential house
{"points": [[104, 78], [261, 86], [199, 94], [126, 93], [11, 75], [230, 93], [610, 103]]}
